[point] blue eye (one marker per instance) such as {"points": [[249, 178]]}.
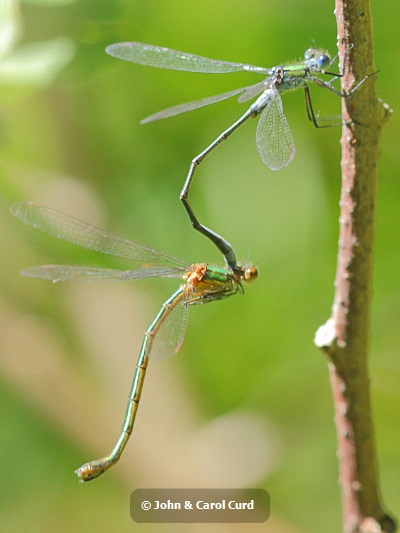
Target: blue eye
{"points": [[323, 60]]}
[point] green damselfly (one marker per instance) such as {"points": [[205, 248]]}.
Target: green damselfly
{"points": [[200, 283], [274, 138]]}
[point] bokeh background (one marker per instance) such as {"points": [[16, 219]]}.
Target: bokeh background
{"points": [[247, 401]]}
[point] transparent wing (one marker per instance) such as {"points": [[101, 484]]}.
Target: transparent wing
{"points": [[253, 90], [274, 138], [70, 229], [169, 338], [57, 273], [158, 56], [189, 106]]}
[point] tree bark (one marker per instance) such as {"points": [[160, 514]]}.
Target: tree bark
{"points": [[346, 335]]}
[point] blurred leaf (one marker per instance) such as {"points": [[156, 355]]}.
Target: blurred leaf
{"points": [[37, 64], [10, 25]]}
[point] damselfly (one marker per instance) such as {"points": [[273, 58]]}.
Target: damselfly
{"points": [[274, 138], [200, 283]]}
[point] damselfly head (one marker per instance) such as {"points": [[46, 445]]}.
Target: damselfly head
{"points": [[247, 273], [317, 58]]}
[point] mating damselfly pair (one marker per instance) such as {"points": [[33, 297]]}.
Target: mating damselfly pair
{"points": [[200, 283]]}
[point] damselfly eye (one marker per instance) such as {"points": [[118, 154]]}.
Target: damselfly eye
{"points": [[311, 52], [250, 274], [323, 60]]}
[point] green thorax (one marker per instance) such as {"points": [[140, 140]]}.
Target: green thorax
{"points": [[218, 275], [294, 76]]}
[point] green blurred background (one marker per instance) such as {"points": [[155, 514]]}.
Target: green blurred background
{"points": [[247, 401]]}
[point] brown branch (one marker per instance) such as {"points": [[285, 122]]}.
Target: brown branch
{"points": [[345, 337]]}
